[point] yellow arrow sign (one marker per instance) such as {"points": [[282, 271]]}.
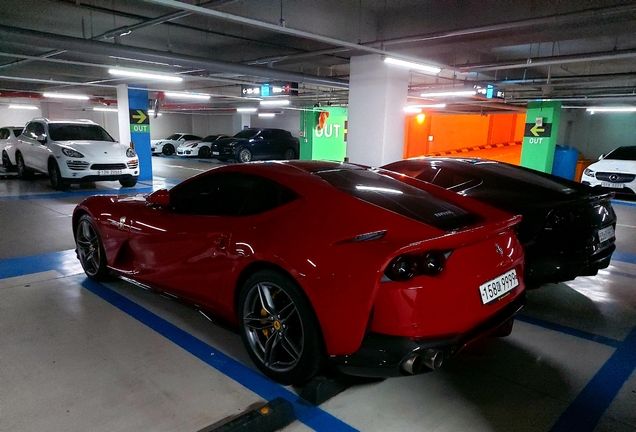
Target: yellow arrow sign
{"points": [[140, 117], [536, 129]]}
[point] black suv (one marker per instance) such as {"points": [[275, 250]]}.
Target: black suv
{"points": [[256, 143]]}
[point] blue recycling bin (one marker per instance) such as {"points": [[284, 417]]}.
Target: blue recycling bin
{"points": [[565, 159]]}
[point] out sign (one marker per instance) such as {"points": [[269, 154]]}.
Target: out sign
{"points": [[328, 131]]}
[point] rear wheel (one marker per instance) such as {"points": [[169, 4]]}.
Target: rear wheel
{"points": [[55, 176], [129, 182], [279, 328], [245, 155], [290, 154], [90, 249], [23, 171], [168, 149], [204, 152]]}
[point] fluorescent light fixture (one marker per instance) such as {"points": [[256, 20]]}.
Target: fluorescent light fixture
{"points": [[450, 93], [65, 96], [275, 102], [412, 65], [24, 107], [266, 114], [140, 74], [612, 109], [152, 113], [412, 110], [439, 105], [186, 95], [105, 109], [246, 110]]}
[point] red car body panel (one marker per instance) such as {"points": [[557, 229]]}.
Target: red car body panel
{"points": [[204, 258]]}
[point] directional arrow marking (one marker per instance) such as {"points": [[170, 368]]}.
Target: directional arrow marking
{"points": [[536, 129], [140, 116]]}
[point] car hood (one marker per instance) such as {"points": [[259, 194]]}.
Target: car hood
{"points": [[225, 141], [96, 148], [614, 165]]}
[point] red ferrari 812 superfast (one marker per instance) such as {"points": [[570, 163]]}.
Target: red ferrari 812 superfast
{"points": [[318, 263]]}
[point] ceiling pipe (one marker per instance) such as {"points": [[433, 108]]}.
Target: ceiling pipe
{"points": [[561, 19], [546, 61], [286, 30], [50, 40]]}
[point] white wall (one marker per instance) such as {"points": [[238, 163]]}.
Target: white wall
{"points": [[596, 134], [16, 117], [288, 120], [203, 125], [167, 124]]}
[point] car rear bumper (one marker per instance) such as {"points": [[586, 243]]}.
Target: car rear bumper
{"points": [[386, 356]]}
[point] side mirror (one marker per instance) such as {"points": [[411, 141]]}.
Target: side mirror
{"points": [[601, 157], [41, 139], [160, 197]]}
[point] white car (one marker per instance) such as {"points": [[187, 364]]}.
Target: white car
{"points": [[169, 145], [201, 148], [8, 140], [74, 151], [615, 170]]}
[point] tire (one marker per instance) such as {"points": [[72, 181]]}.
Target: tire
{"points": [[90, 249], [282, 334], [129, 182], [289, 154], [244, 155], [55, 176], [204, 152], [168, 149], [23, 171], [6, 163]]}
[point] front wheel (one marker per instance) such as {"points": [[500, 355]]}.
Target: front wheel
{"points": [[245, 155], [55, 176], [90, 249], [168, 149], [204, 152], [279, 328], [290, 154], [129, 182]]}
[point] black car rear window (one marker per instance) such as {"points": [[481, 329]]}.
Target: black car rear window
{"points": [[78, 132], [512, 173], [247, 133], [401, 198], [623, 153], [17, 131]]}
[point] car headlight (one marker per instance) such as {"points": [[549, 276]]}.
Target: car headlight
{"points": [[232, 144], [130, 152], [72, 153], [588, 172]]}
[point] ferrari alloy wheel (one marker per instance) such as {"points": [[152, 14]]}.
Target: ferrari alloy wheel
{"points": [[90, 250], [168, 149], [23, 171], [55, 176], [204, 152], [290, 154], [279, 328], [245, 155]]}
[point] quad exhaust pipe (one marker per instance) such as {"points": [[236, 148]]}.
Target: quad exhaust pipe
{"points": [[432, 359]]}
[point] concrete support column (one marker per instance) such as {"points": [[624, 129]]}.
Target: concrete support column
{"points": [[240, 122], [134, 125], [52, 110], [377, 97]]}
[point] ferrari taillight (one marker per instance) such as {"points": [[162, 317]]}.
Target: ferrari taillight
{"points": [[405, 267]]}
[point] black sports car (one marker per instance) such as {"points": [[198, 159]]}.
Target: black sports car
{"points": [[567, 228], [252, 144]]}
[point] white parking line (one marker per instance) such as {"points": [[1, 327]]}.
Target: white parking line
{"points": [[183, 167], [626, 226]]}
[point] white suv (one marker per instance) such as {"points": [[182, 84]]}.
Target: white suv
{"points": [[74, 151], [616, 171]]}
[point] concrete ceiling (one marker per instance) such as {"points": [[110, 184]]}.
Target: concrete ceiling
{"points": [[582, 52]]}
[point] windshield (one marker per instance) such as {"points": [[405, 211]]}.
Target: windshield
{"points": [[78, 132], [174, 137], [247, 133], [211, 138], [17, 131], [623, 153], [400, 198]]}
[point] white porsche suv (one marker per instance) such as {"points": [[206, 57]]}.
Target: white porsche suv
{"points": [[74, 151]]}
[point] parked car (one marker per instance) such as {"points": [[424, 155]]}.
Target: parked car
{"points": [[74, 151], [615, 171], [199, 148], [567, 229], [317, 261], [253, 144], [8, 139], [168, 146]]}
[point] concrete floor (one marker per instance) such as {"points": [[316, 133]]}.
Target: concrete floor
{"points": [[76, 355]]}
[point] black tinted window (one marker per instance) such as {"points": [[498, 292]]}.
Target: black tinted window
{"points": [[191, 137], [78, 132], [266, 195], [247, 133], [34, 129], [17, 131], [4, 133], [399, 197], [212, 138], [217, 194], [454, 179], [623, 153]]}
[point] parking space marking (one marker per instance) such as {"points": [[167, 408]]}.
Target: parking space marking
{"points": [[624, 257], [568, 330], [624, 203]]}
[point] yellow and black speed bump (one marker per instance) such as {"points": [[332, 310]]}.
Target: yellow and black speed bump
{"points": [[469, 149], [270, 417]]}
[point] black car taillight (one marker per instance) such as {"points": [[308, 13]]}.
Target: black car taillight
{"points": [[405, 267]]}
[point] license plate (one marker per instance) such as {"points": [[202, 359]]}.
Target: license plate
{"points": [[605, 234], [108, 172], [612, 185], [497, 287], [215, 153]]}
